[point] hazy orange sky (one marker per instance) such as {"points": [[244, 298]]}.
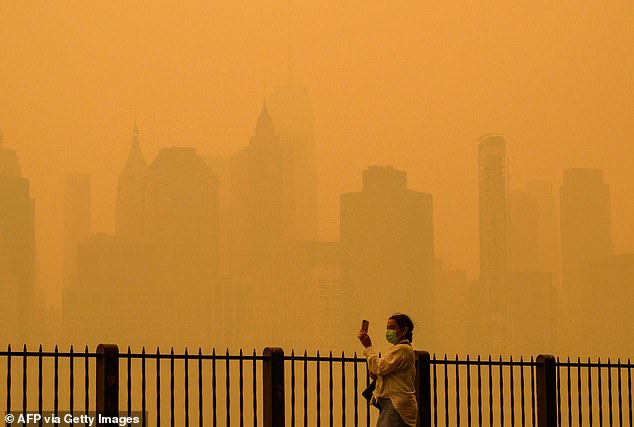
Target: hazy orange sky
{"points": [[411, 84]]}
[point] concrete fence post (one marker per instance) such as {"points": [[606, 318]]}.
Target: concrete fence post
{"points": [[273, 390], [423, 388], [107, 381], [546, 391]]}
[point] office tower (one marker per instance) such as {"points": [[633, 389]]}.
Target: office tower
{"points": [[114, 285], [222, 168], [387, 251], [523, 232], [292, 112], [585, 222], [180, 218], [77, 218], [129, 204], [180, 228], [262, 199], [541, 191], [17, 248], [494, 263]]}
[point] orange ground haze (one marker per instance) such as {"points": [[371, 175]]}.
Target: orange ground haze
{"points": [[409, 84]]}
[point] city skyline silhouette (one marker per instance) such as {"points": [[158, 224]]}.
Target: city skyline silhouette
{"points": [[146, 133]]}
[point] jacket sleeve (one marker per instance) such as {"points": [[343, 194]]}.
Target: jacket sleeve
{"points": [[384, 365]]}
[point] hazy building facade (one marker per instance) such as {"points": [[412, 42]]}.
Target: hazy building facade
{"points": [[130, 193], [585, 222], [77, 219], [17, 249], [387, 246], [262, 199], [494, 248], [292, 112]]}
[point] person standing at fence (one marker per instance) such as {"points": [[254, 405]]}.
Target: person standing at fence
{"points": [[395, 372]]}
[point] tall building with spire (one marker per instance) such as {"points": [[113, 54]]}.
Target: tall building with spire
{"points": [[17, 249], [130, 191], [262, 198], [494, 247], [292, 111]]}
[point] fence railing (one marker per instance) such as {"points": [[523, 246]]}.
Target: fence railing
{"points": [[278, 389]]}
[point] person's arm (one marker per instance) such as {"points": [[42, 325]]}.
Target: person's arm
{"points": [[386, 364]]}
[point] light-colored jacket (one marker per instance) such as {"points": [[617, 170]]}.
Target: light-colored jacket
{"points": [[396, 372]]}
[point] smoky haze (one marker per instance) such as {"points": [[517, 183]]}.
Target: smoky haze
{"points": [[246, 174]]}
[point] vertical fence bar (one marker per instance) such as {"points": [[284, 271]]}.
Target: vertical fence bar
{"points": [[56, 381], [423, 388], [143, 402], [71, 382], [8, 378], [468, 392], [330, 390], [435, 394], [355, 396], [620, 394], [129, 386], [293, 388], [213, 388], [86, 383], [546, 389], [522, 394], [629, 388], [579, 397], [501, 394], [39, 381], [490, 366], [305, 389], [533, 393], [107, 380], [479, 394], [158, 387], [24, 381], [558, 392], [446, 393], [273, 386], [457, 392], [318, 386], [569, 394], [343, 389], [227, 388], [200, 387], [172, 416], [255, 394], [186, 374], [609, 392], [241, 385], [512, 390]]}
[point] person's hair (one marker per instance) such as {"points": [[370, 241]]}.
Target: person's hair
{"points": [[403, 320]]}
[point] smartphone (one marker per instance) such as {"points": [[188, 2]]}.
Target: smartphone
{"points": [[364, 325]]}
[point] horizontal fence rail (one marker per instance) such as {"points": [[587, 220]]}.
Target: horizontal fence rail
{"points": [[277, 389]]}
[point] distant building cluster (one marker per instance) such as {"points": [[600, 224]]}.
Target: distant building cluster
{"points": [[225, 252]]}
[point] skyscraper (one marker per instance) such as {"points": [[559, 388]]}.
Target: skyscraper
{"points": [[129, 204], [494, 249], [262, 199], [17, 247], [77, 218], [387, 246], [292, 112], [585, 222]]}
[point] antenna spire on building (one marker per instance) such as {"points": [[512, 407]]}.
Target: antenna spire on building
{"points": [[290, 45]]}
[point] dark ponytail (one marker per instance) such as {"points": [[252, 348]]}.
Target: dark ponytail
{"points": [[403, 320]]}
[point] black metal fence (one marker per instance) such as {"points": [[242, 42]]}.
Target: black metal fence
{"points": [[277, 389]]}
